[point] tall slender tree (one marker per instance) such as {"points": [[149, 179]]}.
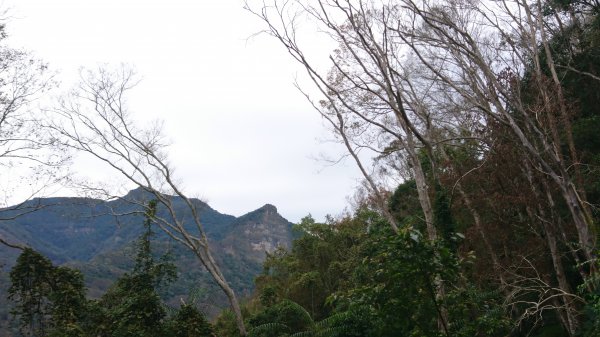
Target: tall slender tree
{"points": [[94, 119]]}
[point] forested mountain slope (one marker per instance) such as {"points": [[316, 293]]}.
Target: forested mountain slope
{"points": [[98, 238]]}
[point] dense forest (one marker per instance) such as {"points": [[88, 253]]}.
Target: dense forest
{"points": [[476, 126]]}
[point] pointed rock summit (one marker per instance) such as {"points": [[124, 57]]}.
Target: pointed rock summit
{"points": [[268, 208], [257, 233]]}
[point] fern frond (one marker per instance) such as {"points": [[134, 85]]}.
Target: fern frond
{"points": [[332, 331], [303, 334], [300, 309], [267, 327], [333, 320]]}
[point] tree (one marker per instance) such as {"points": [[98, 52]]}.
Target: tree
{"points": [[132, 306], [94, 119], [188, 322], [386, 285], [28, 156], [50, 301], [414, 80], [30, 288], [367, 96], [407, 73]]}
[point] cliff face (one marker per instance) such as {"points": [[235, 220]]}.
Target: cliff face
{"points": [[257, 233], [85, 233]]}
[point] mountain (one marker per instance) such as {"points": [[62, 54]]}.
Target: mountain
{"points": [[87, 234], [256, 232]]}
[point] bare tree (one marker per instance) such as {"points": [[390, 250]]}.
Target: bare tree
{"points": [[531, 294], [94, 119], [404, 69], [30, 160], [366, 98], [411, 76], [480, 52]]}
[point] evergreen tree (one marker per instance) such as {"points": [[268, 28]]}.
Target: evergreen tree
{"points": [[50, 301], [132, 306], [188, 322], [30, 288]]}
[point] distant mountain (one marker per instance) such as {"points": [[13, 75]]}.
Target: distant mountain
{"points": [[86, 234], [256, 232]]}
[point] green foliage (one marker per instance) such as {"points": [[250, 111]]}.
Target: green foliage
{"points": [[591, 326], [188, 322], [398, 277], [30, 288], [313, 269], [132, 305], [474, 312], [49, 300], [225, 325], [404, 204], [444, 221], [282, 318], [288, 318], [68, 299], [145, 265], [387, 285]]}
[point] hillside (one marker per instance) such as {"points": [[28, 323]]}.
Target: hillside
{"points": [[86, 234]]}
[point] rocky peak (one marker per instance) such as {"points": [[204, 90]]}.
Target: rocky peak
{"points": [[258, 232], [268, 208]]}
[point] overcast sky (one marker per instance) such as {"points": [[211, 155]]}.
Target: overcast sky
{"points": [[242, 134]]}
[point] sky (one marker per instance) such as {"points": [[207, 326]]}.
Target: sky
{"points": [[242, 135]]}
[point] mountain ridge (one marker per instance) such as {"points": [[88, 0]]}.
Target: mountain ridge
{"points": [[85, 233]]}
